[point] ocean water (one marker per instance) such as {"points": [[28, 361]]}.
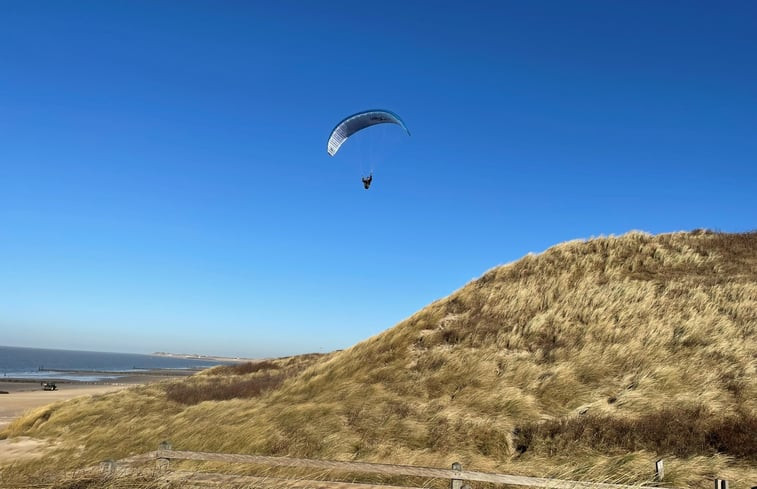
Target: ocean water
{"points": [[27, 363]]}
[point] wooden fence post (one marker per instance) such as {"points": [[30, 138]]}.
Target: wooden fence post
{"points": [[721, 484], [108, 466], [659, 468], [456, 483], [163, 462]]}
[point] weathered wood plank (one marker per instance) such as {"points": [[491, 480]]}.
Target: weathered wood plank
{"points": [[659, 468], [371, 468], [273, 482], [396, 470], [143, 457]]}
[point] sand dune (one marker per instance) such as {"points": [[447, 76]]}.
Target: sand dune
{"points": [[22, 397], [22, 447], [25, 396]]}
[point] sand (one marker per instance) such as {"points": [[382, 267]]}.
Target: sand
{"points": [[24, 396], [22, 447]]}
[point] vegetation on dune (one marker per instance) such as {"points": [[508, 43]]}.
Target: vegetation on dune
{"points": [[681, 432], [240, 381], [587, 361]]}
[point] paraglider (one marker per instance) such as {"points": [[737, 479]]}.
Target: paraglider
{"points": [[357, 122], [367, 181]]}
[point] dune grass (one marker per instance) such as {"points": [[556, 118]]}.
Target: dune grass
{"points": [[589, 360]]}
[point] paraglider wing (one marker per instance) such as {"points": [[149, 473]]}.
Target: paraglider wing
{"points": [[359, 121]]}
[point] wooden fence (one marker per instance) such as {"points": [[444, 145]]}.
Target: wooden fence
{"points": [[459, 478]]}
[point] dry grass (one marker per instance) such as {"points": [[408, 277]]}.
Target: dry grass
{"points": [[652, 338], [289, 365], [197, 392], [49, 479], [682, 433], [240, 381]]}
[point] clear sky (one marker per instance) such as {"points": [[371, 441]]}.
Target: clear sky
{"points": [[164, 181]]}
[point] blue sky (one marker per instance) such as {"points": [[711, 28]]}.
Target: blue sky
{"points": [[166, 186]]}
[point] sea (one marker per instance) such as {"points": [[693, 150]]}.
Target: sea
{"points": [[85, 366]]}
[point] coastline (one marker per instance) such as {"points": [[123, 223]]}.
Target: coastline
{"points": [[27, 395], [24, 394], [196, 356], [23, 397]]}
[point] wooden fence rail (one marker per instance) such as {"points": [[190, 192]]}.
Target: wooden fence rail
{"points": [[386, 469], [456, 475]]}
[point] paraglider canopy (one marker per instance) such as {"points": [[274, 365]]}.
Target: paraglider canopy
{"points": [[359, 121]]}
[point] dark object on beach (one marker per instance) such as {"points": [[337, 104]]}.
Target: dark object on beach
{"points": [[4, 392], [48, 386]]}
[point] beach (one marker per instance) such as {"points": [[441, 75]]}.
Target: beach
{"points": [[22, 396], [25, 394]]}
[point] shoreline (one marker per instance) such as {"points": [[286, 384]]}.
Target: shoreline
{"points": [[23, 394], [25, 397], [174, 372]]}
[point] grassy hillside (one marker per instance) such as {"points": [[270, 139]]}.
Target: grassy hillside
{"points": [[589, 360]]}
